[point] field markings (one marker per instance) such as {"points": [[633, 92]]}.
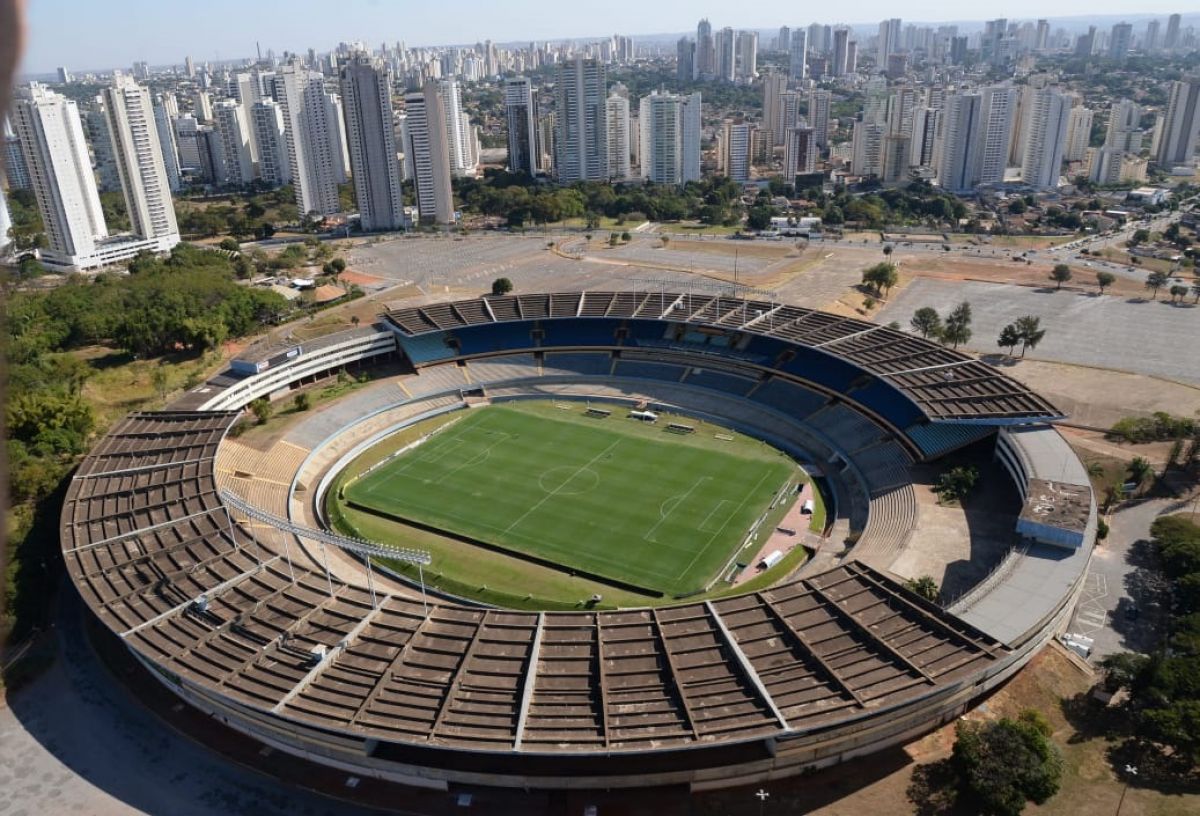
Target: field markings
{"points": [[678, 500], [716, 507], [740, 505], [586, 466]]}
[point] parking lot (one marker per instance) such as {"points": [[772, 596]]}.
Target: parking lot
{"points": [[1134, 334]]}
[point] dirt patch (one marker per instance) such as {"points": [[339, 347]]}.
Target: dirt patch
{"points": [[361, 279]]}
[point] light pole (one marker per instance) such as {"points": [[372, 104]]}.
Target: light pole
{"points": [[763, 796], [1130, 773]]}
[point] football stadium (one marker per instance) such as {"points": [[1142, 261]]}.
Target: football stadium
{"points": [[540, 547]]}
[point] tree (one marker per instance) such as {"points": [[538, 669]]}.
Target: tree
{"points": [[1009, 337], [1029, 332], [665, 240], [956, 483], [230, 244], [1139, 236], [1060, 275], [888, 249], [1178, 292], [302, 401], [926, 321], [501, 286], [1004, 764], [158, 378], [261, 408], [925, 586], [1139, 470], [1105, 280], [957, 328], [881, 276], [759, 217], [1155, 281]]}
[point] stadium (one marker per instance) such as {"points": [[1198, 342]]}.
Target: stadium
{"points": [[239, 578]]}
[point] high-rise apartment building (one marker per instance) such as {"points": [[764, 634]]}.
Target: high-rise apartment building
{"points": [[888, 42], [960, 140], [867, 148], [1120, 41], [520, 113], [619, 138], [166, 138], [998, 108], [726, 54], [366, 87], [669, 128], [581, 135], [140, 164], [1047, 139], [60, 171], [1171, 41], [706, 51], [737, 142], [458, 131], [746, 68], [800, 153], [798, 55], [819, 103], [274, 167], [774, 84], [841, 41], [685, 60], [234, 165], [1079, 133], [311, 135], [13, 160], [1177, 140], [1124, 127], [425, 143]]}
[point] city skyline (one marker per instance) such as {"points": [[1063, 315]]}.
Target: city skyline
{"points": [[62, 33]]}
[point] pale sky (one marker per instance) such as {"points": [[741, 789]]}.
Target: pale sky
{"points": [[99, 34]]}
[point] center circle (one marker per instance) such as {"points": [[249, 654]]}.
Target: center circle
{"points": [[568, 480]]}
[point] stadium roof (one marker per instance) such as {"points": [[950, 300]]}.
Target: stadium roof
{"points": [[162, 562], [945, 384]]}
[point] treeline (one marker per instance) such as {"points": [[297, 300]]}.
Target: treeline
{"points": [[186, 304], [1164, 688], [917, 202], [520, 201]]}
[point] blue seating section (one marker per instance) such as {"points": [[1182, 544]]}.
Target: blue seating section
{"points": [[582, 332], [495, 337], [886, 401], [591, 364], [936, 438], [794, 400], [719, 381], [654, 331], [819, 367], [425, 348], [654, 371]]}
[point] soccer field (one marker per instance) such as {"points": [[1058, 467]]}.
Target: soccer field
{"points": [[613, 497]]}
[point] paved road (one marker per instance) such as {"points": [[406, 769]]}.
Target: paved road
{"points": [[75, 742], [1121, 602]]}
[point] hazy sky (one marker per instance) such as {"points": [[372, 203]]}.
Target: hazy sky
{"points": [[93, 34]]}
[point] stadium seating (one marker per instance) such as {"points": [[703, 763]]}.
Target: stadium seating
{"points": [[426, 348], [498, 369], [788, 397], [593, 364], [937, 438]]}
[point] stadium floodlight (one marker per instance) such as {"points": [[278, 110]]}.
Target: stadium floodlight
{"points": [[358, 546]]}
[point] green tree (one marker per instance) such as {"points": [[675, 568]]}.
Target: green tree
{"points": [[1060, 275], [302, 401], [882, 277], [1178, 292], [1105, 280], [1156, 281], [230, 244], [1139, 470], [759, 217], [1029, 331], [926, 321], [1003, 765], [925, 586], [501, 286], [956, 483], [158, 378], [1009, 337], [957, 327], [261, 408]]}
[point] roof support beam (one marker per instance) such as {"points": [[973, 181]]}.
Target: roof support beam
{"points": [[459, 671], [675, 677], [397, 660], [848, 336], [800, 637], [602, 675], [747, 667], [344, 644], [527, 685]]}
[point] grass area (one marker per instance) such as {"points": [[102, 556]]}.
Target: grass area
{"points": [[1018, 241], [285, 411], [119, 383], [545, 483], [495, 577], [696, 228]]}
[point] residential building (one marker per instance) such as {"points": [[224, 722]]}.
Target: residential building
{"points": [[1120, 41], [60, 172], [1079, 133], [311, 135], [706, 56], [520, 113], [669, 129], [274, 167], [1171, 41], [747, 56], [960, 142], [366, 87], [737, 142], [798, 55], [867, 147], [425, 142], [819, 103], [1177, 141], [619, 138], [800, 153], [774, 84], [841, 40], [581, 111], [1124, 127], [888, 42], [233, 137], [1047, 139], [140, 163], [166, 138], [685, 60], [458, 131], [13, 160]]}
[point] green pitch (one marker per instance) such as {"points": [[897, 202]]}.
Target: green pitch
{"points": [[613, 497]]}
